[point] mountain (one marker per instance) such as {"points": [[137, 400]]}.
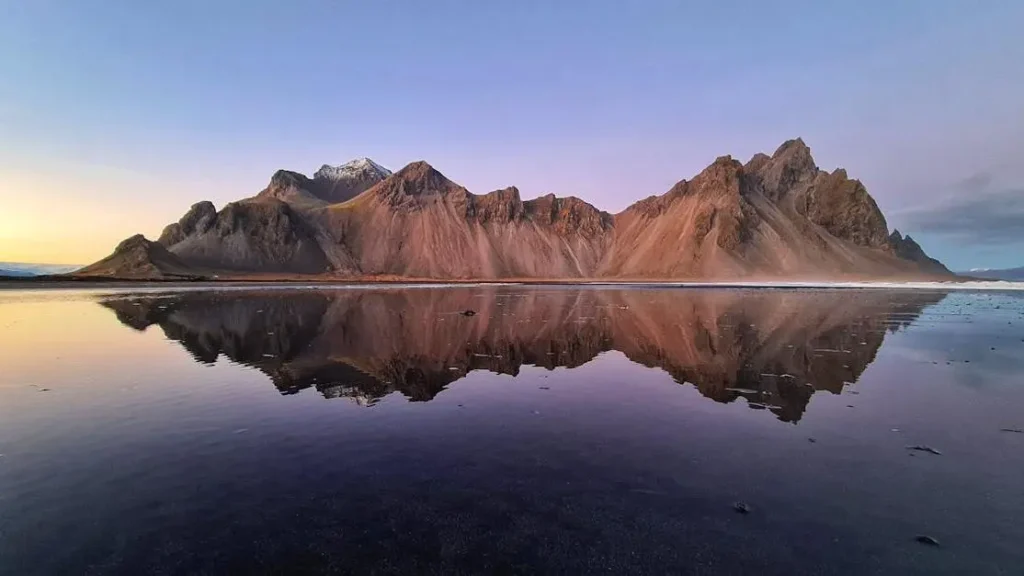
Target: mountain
{"points": [[139, 258], [341, 183], [1009, 274], [26, 270], [908, 249], [776, 348], [777, 216]]}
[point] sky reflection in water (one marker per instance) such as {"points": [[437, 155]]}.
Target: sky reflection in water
{"points": [[557, 429]]}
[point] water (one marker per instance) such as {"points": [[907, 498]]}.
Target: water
{"points": [[557, 430]]}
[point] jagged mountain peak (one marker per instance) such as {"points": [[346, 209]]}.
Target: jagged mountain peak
{"points": [[420, 177], [792, 146], [132, 243], [287, 178], [330, 184], [358, 168], [908, 249], [790, 165]]}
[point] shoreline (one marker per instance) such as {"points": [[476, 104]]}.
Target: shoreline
{"points": [[65, 283]]}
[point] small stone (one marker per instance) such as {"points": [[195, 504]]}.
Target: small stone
{"points": [[468, 313], [741, 507], [922, 448], [811, 440], [927, 540]]}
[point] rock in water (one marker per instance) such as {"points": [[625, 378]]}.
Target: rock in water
{"points": [[927, 540], [927, 449], [741, 507], [469, 313]]}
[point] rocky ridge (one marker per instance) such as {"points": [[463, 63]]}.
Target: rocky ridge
{"points": [[777, 216]]}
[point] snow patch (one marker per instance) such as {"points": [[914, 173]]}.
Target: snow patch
{"points": [[358, 168]]}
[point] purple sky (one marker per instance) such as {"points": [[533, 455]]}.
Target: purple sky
{"points": [[118, 115]]}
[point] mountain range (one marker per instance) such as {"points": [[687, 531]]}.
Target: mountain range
{"points": [[777, 216], [1009, 274], [26, 270]]}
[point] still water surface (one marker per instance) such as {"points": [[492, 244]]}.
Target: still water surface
{"points": [[556, 430]]}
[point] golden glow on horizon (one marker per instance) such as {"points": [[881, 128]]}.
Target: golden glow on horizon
{"points": [[76, 217], [48, 337]]}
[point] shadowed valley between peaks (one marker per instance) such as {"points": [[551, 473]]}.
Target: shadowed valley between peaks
{"points": [[777, 216], [774, 348]]}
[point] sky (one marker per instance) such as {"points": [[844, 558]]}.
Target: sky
{"points": [[117, 115]]}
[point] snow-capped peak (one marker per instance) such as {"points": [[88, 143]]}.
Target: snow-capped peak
{"points": [[358, 168]]}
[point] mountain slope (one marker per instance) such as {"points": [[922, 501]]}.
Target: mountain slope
{"points": [[420, 224], [262, 234], [139, 259], [908, 249], [775, 216]]}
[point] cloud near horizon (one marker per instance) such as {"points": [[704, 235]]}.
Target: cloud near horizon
{"points": [[978, 213]]}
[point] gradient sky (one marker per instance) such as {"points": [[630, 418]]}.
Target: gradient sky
{"points": [[117, 115]]}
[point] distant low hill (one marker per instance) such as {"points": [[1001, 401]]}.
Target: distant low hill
{"points": [[777, 216], [1011, 274], [25, 270]]}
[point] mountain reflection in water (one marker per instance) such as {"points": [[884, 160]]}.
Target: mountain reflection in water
{"points": [[773, 347]]}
